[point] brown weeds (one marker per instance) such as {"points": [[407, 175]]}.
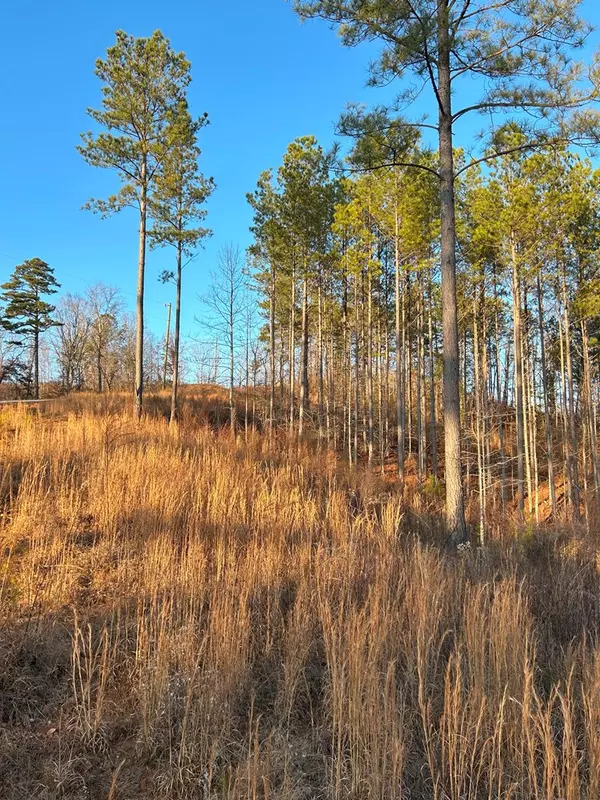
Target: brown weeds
{"points": [[188, 616]]}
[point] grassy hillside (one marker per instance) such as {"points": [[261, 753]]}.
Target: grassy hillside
{"points": [[187, 616]]}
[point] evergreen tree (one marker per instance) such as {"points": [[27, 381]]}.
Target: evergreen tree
{"points": [[177, 208], [306, 208], [268, 253], [144, 84], [25, 313]]}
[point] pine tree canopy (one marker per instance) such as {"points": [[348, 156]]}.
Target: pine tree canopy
{"points": [[24, 311]]}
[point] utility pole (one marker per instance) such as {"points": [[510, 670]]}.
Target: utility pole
{"points": [[167, 337]]}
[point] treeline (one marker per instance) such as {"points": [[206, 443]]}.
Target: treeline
{"points": [[93, 344], [85, 342], [516, 65], [350, 272]]}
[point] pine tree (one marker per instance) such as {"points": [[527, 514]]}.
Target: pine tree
{"points": [[25, 313], [306, 194], [268, 253], [144, 83], [176, 209]]}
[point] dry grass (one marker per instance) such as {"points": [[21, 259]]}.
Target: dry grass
{"points": [[183, 616]]}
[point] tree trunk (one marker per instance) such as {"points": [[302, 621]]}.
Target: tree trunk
{"points": [[478, 419], [432, 416], [408, 366], [485, 395], [36, 364], [380, 395], [571, 400], [499, 397], [589, 413], [139, 320], [176, 335], [281, 373], [292, 346], [567, 477], [517, 335], [167, 343], [400, 356], [419, 422], [247, 377], [370, 398], [346, 373], [550, 462], [304, 359], [272, 351], [356, 372], [330, 390], [534, 445], [421, 398], [231, 337], [455, 511], [526, 397], [320, 363]]}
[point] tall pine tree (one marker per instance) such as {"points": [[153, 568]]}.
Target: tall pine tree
{"points": [[25, 313], [144, 83]]}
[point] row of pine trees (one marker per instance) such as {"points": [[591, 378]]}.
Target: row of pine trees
{"points": [[349, 269]]}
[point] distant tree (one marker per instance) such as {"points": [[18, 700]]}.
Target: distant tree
{"points": [[144, 84], [13, 370], [268, 252], [71, 339], [25, 313], [225, 304], [176, 208], [105, 333]]}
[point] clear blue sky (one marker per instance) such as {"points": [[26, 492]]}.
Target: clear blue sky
{"points": [[263, 77]]}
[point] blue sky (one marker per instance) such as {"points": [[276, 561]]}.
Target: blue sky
{"points": [[263, 77]]}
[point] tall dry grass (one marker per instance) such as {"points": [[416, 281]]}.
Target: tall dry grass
{"points": [[184, 616]]}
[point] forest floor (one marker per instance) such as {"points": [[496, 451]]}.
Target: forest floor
{"points": [[184, 615]]}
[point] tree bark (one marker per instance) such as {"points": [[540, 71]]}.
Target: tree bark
{"points": [[139, 321], [572, 439], [304, 359], [499, 396], [455, 511], [176, 335], [517, 335], [356, 372], [231, 337], [432, 416], [478, 419], [400, 356], [167, 343], [99, 370], [320, 381], [292, 348], [526, 399], [421, 399], [370, 398], [272, 351], [589, 412], [567, 477], [36, 364], [548, 428]]}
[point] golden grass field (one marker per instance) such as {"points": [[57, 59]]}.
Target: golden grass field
{"points": [[187, 616]]}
